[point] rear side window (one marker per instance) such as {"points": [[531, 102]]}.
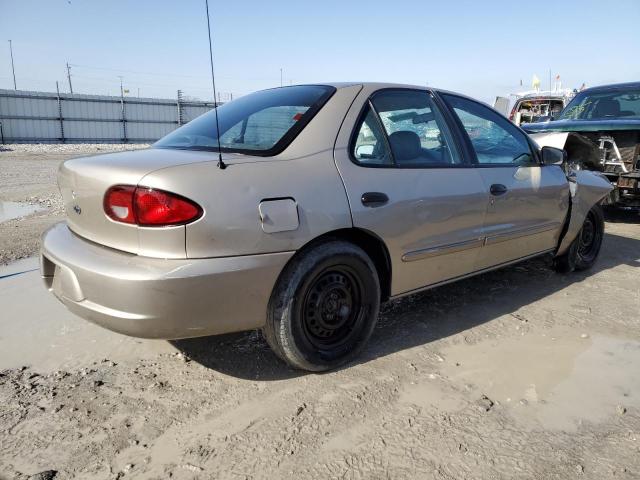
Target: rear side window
{"points": [[405, 129], [262, 123], [370, 147], [496, 140]]}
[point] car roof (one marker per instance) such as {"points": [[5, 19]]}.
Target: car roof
{"points": [[378, 85], [615, 86], [382, 85]]}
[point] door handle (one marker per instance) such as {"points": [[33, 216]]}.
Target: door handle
{"points": [[374, 199], [498, 189]]}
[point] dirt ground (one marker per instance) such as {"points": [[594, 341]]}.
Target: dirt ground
{"points": [[518, 373]]}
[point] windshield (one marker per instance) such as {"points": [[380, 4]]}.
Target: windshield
{"points": [[262, 123], [603, 105]]}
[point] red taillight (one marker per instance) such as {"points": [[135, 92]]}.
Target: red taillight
{"points": [[155, 207], [118, 203], [149, 207]]}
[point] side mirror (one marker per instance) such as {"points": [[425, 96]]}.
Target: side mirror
{"points": [[553, 156], [364, 151]]}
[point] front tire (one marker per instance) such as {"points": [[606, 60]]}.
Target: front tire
{"points": [[324, 306], [583, 251]]}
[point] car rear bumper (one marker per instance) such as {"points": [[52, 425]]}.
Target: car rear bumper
{"points": [[158, 298]]}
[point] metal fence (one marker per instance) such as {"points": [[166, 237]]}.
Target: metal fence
{"points": [[42, 117]]}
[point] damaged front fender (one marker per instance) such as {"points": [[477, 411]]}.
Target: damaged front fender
{"points": [[587, 188]]}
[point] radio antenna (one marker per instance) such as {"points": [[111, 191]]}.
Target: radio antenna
{"points": [[221, 164]]}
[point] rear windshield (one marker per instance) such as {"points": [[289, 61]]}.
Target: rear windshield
{"points": [[262, 123], [603, 105], [532, 109]]}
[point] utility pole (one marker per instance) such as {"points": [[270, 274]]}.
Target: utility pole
{"points": [[12, 67], [124, 115], [69, 78]]}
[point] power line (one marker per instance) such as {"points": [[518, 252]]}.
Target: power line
{"points": [[134, 71], [162, 74]]}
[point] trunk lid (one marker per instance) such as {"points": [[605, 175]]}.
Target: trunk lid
{"points": [[84, 181]]}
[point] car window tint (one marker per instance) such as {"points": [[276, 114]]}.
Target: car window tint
{"points": [[494, 138], [417, 133], [603, 105], [263, 122], [264, 128], [371, 147]]}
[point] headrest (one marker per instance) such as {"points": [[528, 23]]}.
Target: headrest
{"points": [[405, 145]]}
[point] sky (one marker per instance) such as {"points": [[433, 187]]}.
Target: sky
{"points": [[481, 48]]}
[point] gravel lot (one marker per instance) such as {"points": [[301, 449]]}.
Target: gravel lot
{"points": [[518, 373]]}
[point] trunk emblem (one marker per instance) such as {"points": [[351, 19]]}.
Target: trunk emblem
{"points": [[77, 209]]}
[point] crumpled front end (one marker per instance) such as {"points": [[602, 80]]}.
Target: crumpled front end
{"points": [[616, 154], [587, 189]]}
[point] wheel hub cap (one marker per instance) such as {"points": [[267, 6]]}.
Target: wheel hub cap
{"points": [[587, 235], [330, 307]]}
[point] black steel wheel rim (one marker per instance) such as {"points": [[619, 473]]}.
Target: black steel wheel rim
{"points": [[332, 309], [589, 239]]}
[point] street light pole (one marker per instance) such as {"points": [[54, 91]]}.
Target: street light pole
{"points": [[280, 77], [13, 70]]}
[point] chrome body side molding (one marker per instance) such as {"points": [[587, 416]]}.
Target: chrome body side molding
{"points": [[442, 250], [522, 232]]}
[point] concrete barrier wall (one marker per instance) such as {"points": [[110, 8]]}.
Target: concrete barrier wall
{"points": [[43, 117]]}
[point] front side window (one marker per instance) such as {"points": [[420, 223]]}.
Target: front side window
{"points": [[262, 123], [407, 123], [495, 140]]}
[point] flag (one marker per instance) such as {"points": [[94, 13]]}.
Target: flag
{"points": [[535, 82]]}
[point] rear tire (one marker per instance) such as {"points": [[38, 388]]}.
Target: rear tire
{"points": [[583, 251], [324, 306]]}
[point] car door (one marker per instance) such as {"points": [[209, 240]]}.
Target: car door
{"points": [[528, 202], [407, 182]]}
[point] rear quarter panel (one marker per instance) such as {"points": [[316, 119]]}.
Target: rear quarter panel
{"points": [[305, 172]]}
